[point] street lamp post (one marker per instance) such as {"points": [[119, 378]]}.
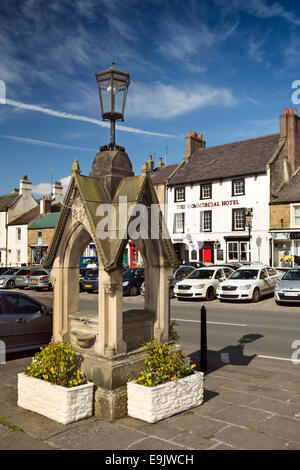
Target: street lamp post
{"points": [[113, 85], [249, 216]]}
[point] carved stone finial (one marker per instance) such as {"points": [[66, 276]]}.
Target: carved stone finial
{"points": [[76, 168]]}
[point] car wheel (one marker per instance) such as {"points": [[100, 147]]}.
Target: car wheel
{"points": [[10, 284], [134, 290], [210, 294], [278, 302], [256, 295]]}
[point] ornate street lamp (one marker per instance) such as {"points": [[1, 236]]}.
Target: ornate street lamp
{"points": [[249, 216], [113, 85]]}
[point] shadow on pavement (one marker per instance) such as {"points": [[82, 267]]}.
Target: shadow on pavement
{"points": [[232, 354]]}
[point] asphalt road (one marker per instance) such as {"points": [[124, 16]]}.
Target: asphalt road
{"points": [[236, 332]]}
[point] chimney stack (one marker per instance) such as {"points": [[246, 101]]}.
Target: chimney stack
{"points": [[193, 142], [57, 192], [45, 205], [25, 186], [160, 163], [290, 131]]}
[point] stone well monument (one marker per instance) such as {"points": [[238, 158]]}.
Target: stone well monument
{"points": [[110, 339]]}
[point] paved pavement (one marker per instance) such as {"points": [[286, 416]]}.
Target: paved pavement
{"points": [[251, 406]]}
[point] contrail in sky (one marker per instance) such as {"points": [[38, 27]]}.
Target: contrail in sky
{"points": [[61, 114], [25, 140]]}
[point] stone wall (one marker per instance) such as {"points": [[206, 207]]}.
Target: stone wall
{"points": [[280, 216]]}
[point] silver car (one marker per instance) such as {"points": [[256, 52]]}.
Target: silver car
{"points": [[22, 277], [8, 279], [39, 279], [288, 288]]}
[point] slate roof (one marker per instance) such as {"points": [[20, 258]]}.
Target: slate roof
{"points": [[47, 221], [244, 157], [290, 192], [162, 173], [26, 218], [7, 200]]}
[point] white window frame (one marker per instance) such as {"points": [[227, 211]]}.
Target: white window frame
{"points": [[237, 182], [293, 215], [19, 234], [181, 192], [235, 226], [205, 217], [179, 221], [206, 191]]}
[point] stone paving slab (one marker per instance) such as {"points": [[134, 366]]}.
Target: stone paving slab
{"points": [[242, 409]]}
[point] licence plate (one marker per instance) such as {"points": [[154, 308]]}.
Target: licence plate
{"points": [[33, 280], [291, 294], [88, 285], [19, 279]]}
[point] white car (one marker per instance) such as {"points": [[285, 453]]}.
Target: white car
{"points": [[249, 283], [202, 282]]}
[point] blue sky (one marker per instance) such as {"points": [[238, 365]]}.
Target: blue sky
{"points": [[218, 67]]}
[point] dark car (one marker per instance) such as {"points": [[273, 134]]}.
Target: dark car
{"points": [[133, 278], [82, 272], [25, 323], [90, 281]]}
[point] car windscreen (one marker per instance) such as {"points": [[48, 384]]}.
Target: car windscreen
{"points": [[132, 273], [23, 272], [201, 274], [245, 274], [292, 275], [11, 272]]}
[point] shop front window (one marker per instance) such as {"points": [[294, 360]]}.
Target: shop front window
{"points": [[238, 251]]}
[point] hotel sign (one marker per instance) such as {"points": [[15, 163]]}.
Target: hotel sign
{"points": [[233, 202]]}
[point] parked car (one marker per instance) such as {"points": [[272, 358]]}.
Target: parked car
{"points": [[251, 282], [3, 270], [287, 288], [90, 281], [142, 288], [82, 272], [39, 278], [180, 273], [22, 277], [132, 280], [8, 279], [25, 323], [201, 283]]}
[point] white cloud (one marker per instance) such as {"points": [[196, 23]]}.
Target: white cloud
{"points": [[165, 101], [43, 189]]}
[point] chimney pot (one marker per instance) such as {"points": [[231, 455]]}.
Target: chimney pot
{"points": [[190, 133]]}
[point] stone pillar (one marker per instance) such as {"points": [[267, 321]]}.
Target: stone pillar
{"points": [[110, 308], [162, 323]]}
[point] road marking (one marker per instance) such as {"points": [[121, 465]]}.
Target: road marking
{"points": [[295, 361], [210, 322]]}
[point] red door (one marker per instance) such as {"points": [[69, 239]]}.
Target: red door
{"points": [[207, 254]]}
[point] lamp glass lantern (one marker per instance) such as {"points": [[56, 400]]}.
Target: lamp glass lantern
{"points": [[113, 86]]}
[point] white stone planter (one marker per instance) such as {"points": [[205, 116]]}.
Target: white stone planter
{"points": [[152, 404], [61, 404]]}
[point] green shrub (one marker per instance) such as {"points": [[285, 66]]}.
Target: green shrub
{"points": [[164, 363], [59, 364]]}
